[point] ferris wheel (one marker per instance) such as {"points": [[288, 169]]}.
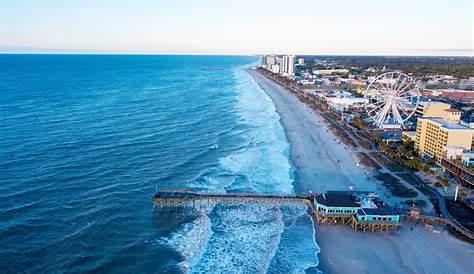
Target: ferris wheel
{"points": [[393, 98]]}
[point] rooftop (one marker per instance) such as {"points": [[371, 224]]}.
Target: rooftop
{"points": [[445, 124], [410, 133], [337, 199], [391, 135], [377, 211], [433, 103]]}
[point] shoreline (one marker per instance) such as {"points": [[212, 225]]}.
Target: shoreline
{"points": [[315, 152], [324, 163]]}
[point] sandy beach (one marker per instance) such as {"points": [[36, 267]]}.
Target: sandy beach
{"points": [[323, 163]]}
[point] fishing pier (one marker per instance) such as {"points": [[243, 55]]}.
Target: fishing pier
{"points": [[329, 208], [196, 201]]}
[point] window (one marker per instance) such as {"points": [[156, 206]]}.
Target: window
{"points": [[363, 218]]}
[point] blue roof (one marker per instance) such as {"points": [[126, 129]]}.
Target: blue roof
{"points": [[391, 135], [336, 200], [445, 124]]}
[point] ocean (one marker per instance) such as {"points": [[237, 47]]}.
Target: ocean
{"points": [[85, 140]]}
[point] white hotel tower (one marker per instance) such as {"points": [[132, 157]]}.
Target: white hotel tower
{"points": [[288, 65]]}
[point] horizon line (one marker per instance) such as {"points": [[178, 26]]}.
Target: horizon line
{"points": [[222, 54]]}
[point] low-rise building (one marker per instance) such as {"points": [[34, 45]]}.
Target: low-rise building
{"points": [[467, 84], [451, 115], [452, 152], [391, 136], [330, 71], [362, 210], [344, 103], [467, 158], [456, 95]]}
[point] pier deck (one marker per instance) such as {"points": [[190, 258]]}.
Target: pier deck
{"points": [[182, 197]]}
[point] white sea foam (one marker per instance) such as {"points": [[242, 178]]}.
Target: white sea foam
{"points": [[245, 239], [190, 239], [264, 161]]}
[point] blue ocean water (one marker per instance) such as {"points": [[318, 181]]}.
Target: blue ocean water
{"points": [[86, 139]]}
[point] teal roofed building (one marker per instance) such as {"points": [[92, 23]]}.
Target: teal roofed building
{"points": [[336, 204], [377, 215], [363, 210]]}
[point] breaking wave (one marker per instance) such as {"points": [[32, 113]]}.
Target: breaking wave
{"points": [[250, 238]]}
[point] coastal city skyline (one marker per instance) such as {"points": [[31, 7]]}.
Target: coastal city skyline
{"points": [[440, 28]]}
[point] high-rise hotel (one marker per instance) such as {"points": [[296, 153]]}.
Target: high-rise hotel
{"points": [[288, 65], [435, 134], [284, 65]]}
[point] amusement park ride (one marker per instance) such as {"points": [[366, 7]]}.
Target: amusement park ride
{"points": [[393, 98]]}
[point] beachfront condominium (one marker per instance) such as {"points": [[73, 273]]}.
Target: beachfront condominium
{"points": [[433, 134], [287, 67], [268, 61]]}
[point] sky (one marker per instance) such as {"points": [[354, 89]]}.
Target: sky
{"points": [[341, 27]]}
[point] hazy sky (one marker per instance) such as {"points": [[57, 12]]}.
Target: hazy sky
{"points": [[416, 27]]}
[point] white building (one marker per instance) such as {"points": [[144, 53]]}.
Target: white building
{"points": [[330, 71], [467, 159], [338, 103], [452, 152], [291, 65], [287, 65], [467, 84]]}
